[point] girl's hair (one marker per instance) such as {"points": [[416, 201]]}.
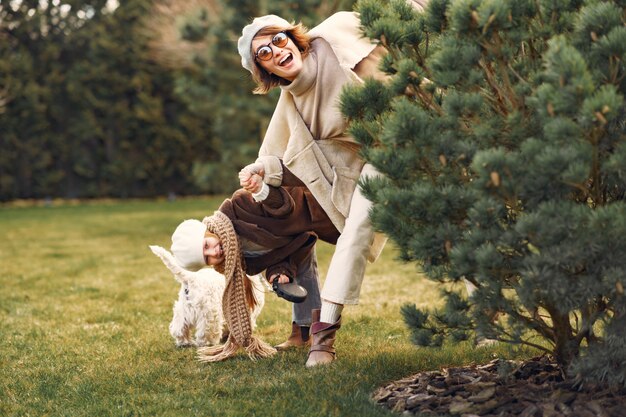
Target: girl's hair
{"points": [[211, 234], [299, 36], [247, 284]]}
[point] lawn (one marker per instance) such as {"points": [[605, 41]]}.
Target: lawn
{"points": [[85, 308]]}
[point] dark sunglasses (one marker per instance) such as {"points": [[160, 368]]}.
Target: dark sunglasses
{"points": [[265, 53]]}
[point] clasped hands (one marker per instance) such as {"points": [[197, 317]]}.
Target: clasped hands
{"points": [[251, 177]]}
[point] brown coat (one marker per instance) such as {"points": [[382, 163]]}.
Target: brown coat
{"points": [[287, 223]]}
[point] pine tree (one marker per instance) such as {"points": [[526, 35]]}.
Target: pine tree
{"points": [[501, 134], [136, 137], [85, 111], [31, 72]]}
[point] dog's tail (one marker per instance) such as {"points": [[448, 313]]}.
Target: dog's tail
{"points": [[168, 259]]}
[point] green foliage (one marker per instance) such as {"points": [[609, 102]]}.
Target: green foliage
{"points": [[501, 134], [426, 328], [90, 107], [217, 87], [145, 99], [88, 113]]}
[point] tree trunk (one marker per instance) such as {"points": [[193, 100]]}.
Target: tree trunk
{"points": [[566, 347]]}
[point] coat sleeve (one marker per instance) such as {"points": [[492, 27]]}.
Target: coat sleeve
{"points": [[277, 174], [419, 5], [343, 32], [275, 141], [354, 50], [273, 167], [289, 265]]}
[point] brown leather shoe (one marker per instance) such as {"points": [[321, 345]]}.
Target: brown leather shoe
{"points": [[323, 337], [299, 337]]}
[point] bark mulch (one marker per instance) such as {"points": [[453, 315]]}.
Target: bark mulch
{"points": [[530, 388]]}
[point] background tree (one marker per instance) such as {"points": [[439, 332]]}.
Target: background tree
{"points": [[100, 98], [501, 134], [87, 113]]}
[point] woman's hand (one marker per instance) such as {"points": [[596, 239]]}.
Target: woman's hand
{"points": [[256, 168], [282, 278]]}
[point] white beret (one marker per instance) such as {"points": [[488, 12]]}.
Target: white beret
{"points": [[187, 244]]}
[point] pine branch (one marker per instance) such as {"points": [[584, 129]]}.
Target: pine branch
{"points": [[495, 102], [579, 187], [536, 323], [596, 174], [517, 75], [500, 106], [426, 100], [513, 99], [614, 69], [512, 340]]}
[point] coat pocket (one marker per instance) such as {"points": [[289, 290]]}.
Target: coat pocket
{"points": [[344, 182]]}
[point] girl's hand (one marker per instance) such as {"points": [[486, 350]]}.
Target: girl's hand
{"points": [[282, 278]]}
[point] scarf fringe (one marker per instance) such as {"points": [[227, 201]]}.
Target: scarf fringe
{"points": [[256, 349], [218, 353], [259, 349]]}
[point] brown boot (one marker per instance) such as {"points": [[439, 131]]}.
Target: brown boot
{"points": [[299, 337], [323, 335]]}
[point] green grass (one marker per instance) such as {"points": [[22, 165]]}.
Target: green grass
{"points": [[85, 308]]}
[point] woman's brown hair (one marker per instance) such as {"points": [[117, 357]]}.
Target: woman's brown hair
{"points": [[299, 36]]}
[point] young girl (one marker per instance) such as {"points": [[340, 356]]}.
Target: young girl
{"points": [[276, 235]]}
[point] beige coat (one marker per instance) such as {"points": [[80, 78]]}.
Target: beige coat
{"points": [[329, 167]]}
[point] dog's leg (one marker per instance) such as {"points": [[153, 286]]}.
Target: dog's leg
{"points": [[214, 325], [209, 329], [179, 327], [201, 334]]}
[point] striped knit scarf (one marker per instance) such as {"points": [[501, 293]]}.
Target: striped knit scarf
{"points": [[236, 309]]}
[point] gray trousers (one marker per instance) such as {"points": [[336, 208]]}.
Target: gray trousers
{"points": [[307, 277]]}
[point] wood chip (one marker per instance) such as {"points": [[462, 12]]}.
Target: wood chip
{"points": [[534, 388], [483, 395], [459, 407]]}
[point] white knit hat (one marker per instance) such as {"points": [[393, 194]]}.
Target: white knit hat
{"points": [[187, 244], [244, 45]]}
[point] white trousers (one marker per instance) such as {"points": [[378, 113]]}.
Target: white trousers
{"points": [[347, 266]]}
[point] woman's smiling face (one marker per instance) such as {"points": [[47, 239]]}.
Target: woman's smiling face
{"points": [[285, 62]]}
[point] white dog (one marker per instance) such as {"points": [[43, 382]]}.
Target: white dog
{"points": [[199, 303]]}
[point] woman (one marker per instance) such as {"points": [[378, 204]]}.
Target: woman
{"points": [[307, 137]]}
